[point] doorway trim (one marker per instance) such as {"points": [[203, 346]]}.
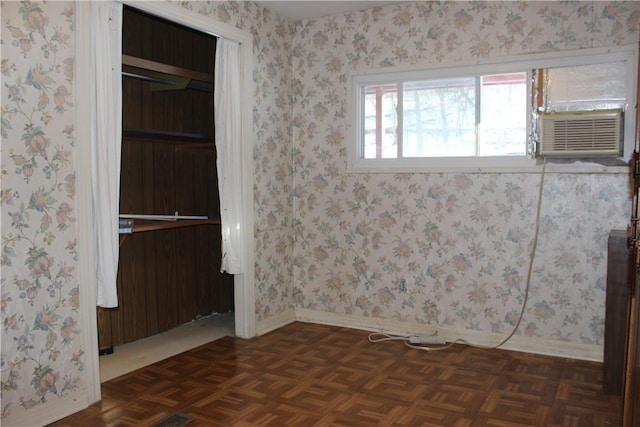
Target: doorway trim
{"points": [[244, 288]]}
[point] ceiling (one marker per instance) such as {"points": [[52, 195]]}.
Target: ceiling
{"points": [[307, 9]]}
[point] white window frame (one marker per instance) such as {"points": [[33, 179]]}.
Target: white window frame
{"points": [[522, 63]]}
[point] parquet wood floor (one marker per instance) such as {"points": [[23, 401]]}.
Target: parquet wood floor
{"points": [[316, 375]]}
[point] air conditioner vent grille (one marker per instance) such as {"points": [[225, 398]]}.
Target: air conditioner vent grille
{"points": [[593, 133]]}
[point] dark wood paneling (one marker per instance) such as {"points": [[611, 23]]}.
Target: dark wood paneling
{"points": [[134, 319], [105, 340], [186, 281], [166, 280], [617, 311], [151, 272], [185, 274], [225, 293], [115, 316], [170, 277], [203, 273]]}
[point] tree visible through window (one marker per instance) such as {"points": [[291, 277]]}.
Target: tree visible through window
{"points": [[468, 116], [485, 116]]}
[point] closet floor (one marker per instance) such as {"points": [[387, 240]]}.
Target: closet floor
{"points": [[135, 355]]}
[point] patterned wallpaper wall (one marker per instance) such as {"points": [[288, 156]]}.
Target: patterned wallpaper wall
{"points": [[448, 249], [445, 249], [42, 355]]}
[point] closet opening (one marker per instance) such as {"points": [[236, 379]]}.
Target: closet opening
{"points": [[170, 243]]}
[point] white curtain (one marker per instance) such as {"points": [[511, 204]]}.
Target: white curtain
{"points": [[106, 102], [227, 96]]}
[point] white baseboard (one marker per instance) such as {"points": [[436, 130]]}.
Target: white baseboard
{"points": [[373, 324], [534, 345], [53, 410], [274, 322], [520, 343]]}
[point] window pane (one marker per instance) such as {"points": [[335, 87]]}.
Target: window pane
{"points": [[586, 87], [380, 121], [503, 124], [439, 118]]}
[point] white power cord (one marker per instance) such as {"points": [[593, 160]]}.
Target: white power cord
{"points": [[408, 339], [418, 341]]}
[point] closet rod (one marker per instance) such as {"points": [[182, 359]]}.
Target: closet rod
{"points": [[163, 217], [148, 79]]}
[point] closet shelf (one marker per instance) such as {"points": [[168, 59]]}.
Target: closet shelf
{"points": [[169, 136], [147, 65], [140, 226]]}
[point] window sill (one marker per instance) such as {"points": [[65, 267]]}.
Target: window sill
{"points": [[488, 165]]}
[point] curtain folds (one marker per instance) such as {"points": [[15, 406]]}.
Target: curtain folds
{"points": [[227, 94], [106, 142]]}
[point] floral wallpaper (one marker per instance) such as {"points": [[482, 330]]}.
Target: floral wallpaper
{"points": [[441, 249], [450, 250], [41, 352]]}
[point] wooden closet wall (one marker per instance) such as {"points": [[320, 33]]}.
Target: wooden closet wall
{"points": [[168, 271]]}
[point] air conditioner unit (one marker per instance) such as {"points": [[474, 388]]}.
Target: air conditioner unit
{"points": [[581, 134]]}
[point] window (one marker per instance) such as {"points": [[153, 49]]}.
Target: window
{"points": [[463, 116], [479, 115]]}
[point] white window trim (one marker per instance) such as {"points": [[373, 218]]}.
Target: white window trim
{"points": [[356, 164]]}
